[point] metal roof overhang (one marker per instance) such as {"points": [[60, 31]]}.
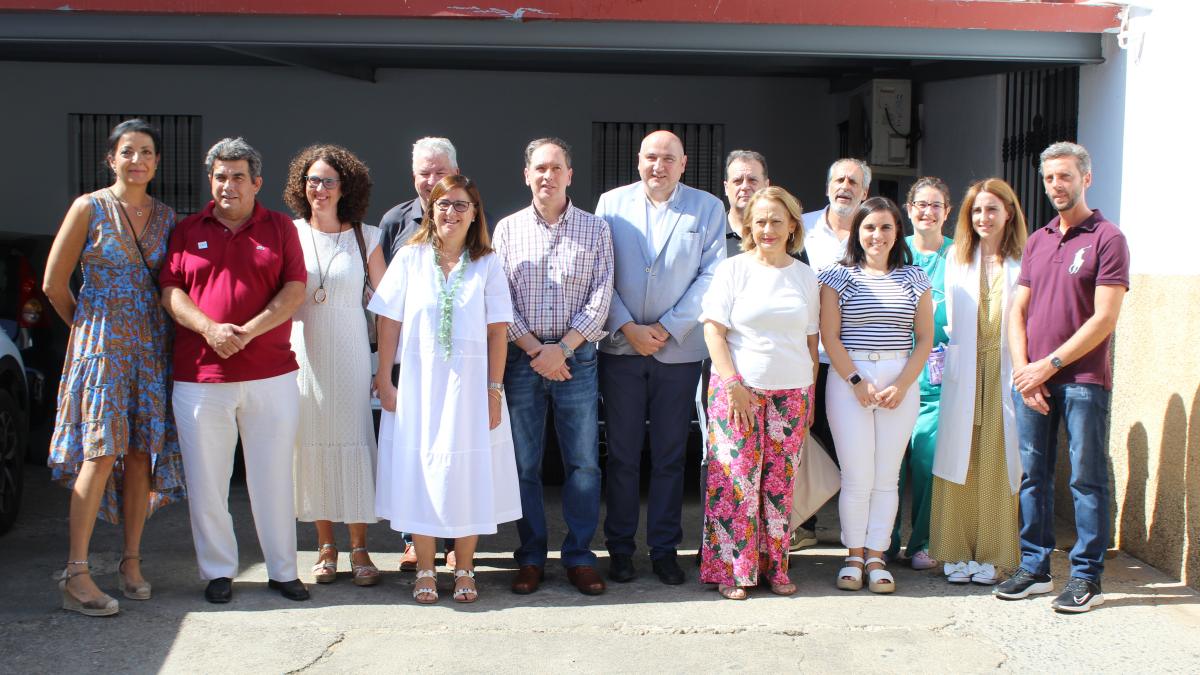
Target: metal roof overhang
{"points": [[357, 46]]}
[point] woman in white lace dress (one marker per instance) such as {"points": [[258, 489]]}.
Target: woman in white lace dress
{"points": [[328, 188]]}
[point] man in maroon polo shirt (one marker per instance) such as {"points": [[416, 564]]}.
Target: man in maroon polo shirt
{"points": [[233, 277], [1074, 275]]}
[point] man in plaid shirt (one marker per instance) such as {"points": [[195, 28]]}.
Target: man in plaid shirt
{"points": [[559, 264]]}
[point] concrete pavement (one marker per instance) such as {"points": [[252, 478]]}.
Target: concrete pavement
{"points": [[1150, 623]]}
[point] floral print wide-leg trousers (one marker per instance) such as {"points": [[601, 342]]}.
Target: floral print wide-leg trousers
{"points": [[749, 493]]}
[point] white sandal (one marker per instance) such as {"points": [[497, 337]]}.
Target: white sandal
{"points": [[880, 580], [426, 595], [467, 592], [854, 574]]}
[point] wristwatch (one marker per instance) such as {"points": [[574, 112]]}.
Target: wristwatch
{"points": [[496, 386], [567, 351], [854, 378], [1056, 362]]}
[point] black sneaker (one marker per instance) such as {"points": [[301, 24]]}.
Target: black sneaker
{"points": [[1023, 584], [1080, 596]]}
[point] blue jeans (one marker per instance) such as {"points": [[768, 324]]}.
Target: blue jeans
{"points": [[576, 421], [1084, 407]]}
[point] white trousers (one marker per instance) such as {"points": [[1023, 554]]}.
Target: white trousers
{"points": [[209, 418], [870, 447]]}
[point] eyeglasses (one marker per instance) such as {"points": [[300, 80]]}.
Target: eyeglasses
{"points": [[316, 182], [446, 205], [932, 206]]}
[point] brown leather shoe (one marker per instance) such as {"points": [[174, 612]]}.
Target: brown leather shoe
{"points": [[408, 561], [586, 579], [528, 578]]}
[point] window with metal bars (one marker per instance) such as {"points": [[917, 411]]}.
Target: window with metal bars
{"points": [[615, 147], [179, 181], [1041, 107]]}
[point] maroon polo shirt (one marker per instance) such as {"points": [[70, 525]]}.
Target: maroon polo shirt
{"points": [[1062, 272], [231, 276]]}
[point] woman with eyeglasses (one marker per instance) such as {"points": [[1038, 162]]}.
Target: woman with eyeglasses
{"points": [[977, 468], [114, 442], [328, 189], [928, 206], [446, 462]]}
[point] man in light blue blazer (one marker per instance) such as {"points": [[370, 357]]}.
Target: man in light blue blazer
{"points": [[667, 240]]}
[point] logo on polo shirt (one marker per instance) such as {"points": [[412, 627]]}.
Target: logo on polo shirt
{"points": [[202, 245], [1078, 261]]}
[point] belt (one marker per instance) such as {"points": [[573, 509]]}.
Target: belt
{"points": [[876, 356]]}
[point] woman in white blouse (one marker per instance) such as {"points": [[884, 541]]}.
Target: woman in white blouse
{"points": [[760, 317], [873, 304]]}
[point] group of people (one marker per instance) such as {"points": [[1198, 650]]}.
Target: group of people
{"points": [[943, 363]]}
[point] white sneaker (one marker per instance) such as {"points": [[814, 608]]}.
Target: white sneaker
{"points": [[984, 574], [956, 573], [922, 561]]}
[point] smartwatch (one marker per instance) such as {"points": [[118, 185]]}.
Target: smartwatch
{"points": [[1056, 362], [854, 378], [567, 351]]}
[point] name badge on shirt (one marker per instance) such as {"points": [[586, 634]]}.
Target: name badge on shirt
{"points": [[202, 245]]}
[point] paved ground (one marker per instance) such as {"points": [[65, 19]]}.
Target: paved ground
{"points": [[1150, 622]]}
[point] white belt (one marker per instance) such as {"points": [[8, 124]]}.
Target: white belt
{"points": [[876, 356]]}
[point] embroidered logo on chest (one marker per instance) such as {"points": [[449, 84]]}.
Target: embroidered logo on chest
{"points": [[1078, 261]]}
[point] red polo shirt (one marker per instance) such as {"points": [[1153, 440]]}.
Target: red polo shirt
{"points": [[231, 276], [1062, 272]]}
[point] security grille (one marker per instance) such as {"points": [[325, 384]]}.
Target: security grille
{"points": [[615, 147], [179, 181], [1042, 107]]}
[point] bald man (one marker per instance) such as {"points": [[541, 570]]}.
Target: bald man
{"points": [[667, 240]]}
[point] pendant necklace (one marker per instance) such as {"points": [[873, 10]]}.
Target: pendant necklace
{"points": [[320, 295]]}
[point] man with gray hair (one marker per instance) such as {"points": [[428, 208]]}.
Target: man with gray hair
{"points": [[233, 276], [433, 159], [1074, 276]]}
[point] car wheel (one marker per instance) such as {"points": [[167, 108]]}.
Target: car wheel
{"points": [[12, 460]]}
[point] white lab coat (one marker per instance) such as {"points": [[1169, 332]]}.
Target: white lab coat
{"points": [[956, 417]]}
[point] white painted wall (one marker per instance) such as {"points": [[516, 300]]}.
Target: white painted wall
{"points": [[489, 115], [1156, 136]]}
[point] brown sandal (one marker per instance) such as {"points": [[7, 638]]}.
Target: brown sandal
{"points": [[364, 575], [732, 592]]}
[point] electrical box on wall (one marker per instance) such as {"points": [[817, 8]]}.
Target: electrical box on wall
{"points": [[881, 122]]}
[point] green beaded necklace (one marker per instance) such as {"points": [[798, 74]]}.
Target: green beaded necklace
{"points": [[447, 290]]}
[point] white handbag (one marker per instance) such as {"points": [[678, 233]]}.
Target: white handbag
{"points": [[817, 480]]}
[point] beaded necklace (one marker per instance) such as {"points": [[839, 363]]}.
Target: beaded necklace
{"points": [[447, 290]]}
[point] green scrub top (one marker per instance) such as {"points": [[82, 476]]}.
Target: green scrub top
{"points": [[934, 265]]}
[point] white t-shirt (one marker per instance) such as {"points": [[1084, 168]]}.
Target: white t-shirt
{"points": [[770, 312]]}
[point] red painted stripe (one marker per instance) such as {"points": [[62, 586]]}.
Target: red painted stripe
{"points": [[1046, 16]]}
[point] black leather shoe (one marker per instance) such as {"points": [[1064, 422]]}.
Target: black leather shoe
{"points": [[219, 590], [668, 570], [292, 590], [620, 568]]}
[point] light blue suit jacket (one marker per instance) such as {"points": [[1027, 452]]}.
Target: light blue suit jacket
{"points": [[668, 288]]}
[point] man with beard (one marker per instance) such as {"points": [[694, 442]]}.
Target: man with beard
{"points": [[1074, 275]]}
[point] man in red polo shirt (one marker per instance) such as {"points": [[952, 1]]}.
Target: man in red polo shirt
{"points": [[1074, 275], [233, 277]]}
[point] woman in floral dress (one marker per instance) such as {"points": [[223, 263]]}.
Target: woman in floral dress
{"points": [[114, 441], [761, 319]]}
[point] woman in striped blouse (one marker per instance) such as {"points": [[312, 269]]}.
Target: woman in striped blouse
{"points": [[873, 305]]}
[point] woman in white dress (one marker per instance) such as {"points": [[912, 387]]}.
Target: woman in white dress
{"points": [[328, 188], [446, 463]]}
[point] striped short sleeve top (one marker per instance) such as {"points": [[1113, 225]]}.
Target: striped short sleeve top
{"points": [[878, 312]]}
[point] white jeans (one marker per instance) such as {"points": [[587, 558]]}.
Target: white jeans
{"points": [[870, 447], [209, 418]]}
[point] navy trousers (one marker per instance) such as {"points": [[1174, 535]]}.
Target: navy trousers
{"points": [[637, 389]]}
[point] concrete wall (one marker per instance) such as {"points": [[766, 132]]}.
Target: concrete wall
{"points": [[489, 115], [1135, 118]]}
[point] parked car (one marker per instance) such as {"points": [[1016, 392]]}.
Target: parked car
{"points": [[38, 334], [14, 426]]}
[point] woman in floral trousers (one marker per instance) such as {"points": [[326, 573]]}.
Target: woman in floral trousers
{"points": [[761, 318]]}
